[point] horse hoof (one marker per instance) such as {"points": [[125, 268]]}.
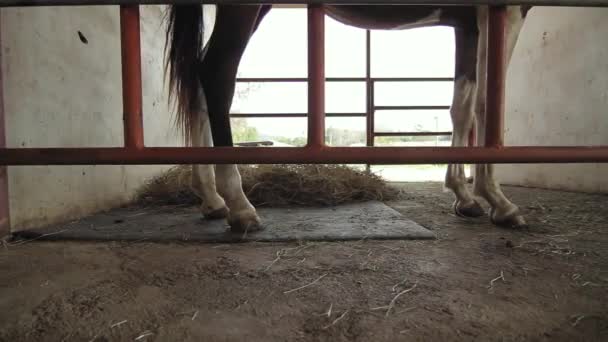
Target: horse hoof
{"points": [[245, 222], [470, 210], [216, 213], [514, 221]]}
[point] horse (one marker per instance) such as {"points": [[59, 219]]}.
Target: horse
{"points": [[202, 82]]}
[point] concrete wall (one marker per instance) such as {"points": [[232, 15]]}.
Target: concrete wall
{"points": [[557, 94], [61, 92]]}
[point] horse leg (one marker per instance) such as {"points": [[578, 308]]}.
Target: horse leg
{"points": [[502, 211], [233, 27], [463, 118], [203, 176]]}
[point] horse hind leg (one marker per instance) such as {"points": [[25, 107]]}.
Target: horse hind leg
{"points": [[233, 27]]}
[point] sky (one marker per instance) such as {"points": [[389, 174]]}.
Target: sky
{"points": [[278, 49]]}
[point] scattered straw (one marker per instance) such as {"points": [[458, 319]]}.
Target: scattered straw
{"points": [[94, 338], [195, 314], [118, 324], [277, 185], [279, 253], [394, 300], [307, 285], [575, 320], [20, 242], [336, 320], [501, 276], [143, 335], [329, 310], [398, 284]]}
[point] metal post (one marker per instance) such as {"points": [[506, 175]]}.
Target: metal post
{"points": [[131, 76], [5, 222], [369, 91], [577, 3], [316, 76], [496, 69]]}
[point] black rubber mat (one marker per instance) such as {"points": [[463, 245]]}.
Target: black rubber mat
{"points": [[370, 220]]}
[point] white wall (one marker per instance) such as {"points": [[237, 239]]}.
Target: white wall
{"points": [[557, 94], [60, 92]]}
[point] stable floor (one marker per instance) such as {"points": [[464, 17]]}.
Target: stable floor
{"points": [[474, 282]]}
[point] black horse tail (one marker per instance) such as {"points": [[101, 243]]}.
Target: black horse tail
{"points": [[184, 54]]}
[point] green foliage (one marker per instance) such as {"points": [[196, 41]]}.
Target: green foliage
{"points": [[241, 132]]}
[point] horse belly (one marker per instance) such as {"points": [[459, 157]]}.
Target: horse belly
{"points": [[386, 17]]}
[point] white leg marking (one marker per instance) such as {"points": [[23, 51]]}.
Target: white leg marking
{"points": [[461, 112], [203, 176], [502, 210], [242, 216], [232, 203]]}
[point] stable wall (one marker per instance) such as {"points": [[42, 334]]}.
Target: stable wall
{"points": [[557, 94], [62, 92]]}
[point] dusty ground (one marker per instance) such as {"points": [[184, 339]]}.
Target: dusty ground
{"points": [[554, 283]]}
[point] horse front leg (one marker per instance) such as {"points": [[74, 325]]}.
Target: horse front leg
{"points": [[502, 212], [463, 118]]}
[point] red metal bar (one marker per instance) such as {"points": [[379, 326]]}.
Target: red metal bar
{"points": [[5, 218], [343, 79], [294, 115], [131, 76], [411, 134], [412, 107], [369, 90], [304, 155], [496, 69], [581, 3], [316, 76]]}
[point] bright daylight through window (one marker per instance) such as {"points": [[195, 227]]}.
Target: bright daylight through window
{"points": [[278, 50]]}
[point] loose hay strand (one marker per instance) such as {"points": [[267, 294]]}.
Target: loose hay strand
{"points": [[307, 285], [277, 186], [501, 276], [144, 334], [329, 310], [394, 300], [335, 320], [117, 324]]}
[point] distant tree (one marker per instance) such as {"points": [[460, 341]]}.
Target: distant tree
{"points": [[343, 137], [297, 141], [241, 132]]}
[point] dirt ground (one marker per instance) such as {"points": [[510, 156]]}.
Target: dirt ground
{"points": [[475, 282]]}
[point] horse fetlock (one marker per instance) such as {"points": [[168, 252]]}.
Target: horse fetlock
{"points": [[214, 208], [244, 221], [508, 216], [468, 209]]}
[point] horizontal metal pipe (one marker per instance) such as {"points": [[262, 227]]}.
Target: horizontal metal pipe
{"points": [[411, 107], [568, 3], [410, 134], [294, 115], [343, 79], [302, 155]]}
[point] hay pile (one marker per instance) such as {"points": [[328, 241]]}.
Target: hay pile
{"points": [[277, 186]]}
